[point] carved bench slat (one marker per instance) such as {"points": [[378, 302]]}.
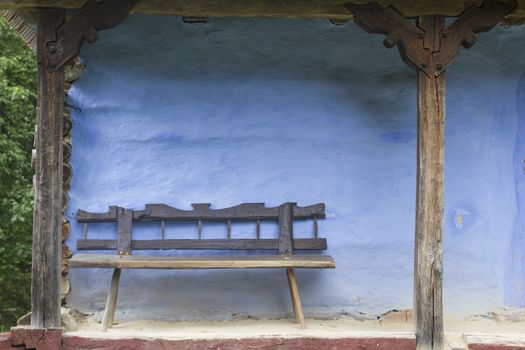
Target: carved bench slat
{"points": [[202, 211], [200, 262], [87, 217], [203, 244]]}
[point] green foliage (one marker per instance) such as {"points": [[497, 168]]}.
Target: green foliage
{"points": [[17, 123]]}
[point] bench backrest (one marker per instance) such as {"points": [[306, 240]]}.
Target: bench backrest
{"points": [[285, 215]]}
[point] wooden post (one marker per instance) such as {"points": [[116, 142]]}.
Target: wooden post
{"points": [[111, 303], [428, 256], [428, 261], [286, 228], [429, 48], [58, 41], [296, 299], [45, 288]]}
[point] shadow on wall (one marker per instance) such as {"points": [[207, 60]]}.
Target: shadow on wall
{"points": [[250, 51]]}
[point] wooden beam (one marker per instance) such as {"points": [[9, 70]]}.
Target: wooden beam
{"points": [[21, 26], [323, 9], [296, 299], [201, 262], [203, 211], [428, 260], [47, 224], [429, 48], [203, 244], [111, 303], [94, 16]]}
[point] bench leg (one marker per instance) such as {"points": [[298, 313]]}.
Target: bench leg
{"points": [[296, 300], [111, 304]]}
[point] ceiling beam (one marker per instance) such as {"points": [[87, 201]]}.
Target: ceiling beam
{"points": [[325, 9]]}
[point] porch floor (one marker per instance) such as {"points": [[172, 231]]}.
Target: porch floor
{"points": [[344, 333]]}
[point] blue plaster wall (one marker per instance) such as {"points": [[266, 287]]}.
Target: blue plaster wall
{"points": [[251, 110]]}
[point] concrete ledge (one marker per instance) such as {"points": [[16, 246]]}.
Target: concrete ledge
{"points": [[495, 347], [75, 342], [23, 338], [495, 342], [5, 341], [39, 339], [70, 343]]}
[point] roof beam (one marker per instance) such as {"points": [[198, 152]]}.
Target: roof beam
{"points": [[326, 9], [21, 26]]}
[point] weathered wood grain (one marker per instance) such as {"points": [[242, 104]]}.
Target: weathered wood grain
{"points": [[21, 26], [84, 25], [461, 31], [286, 228], [111, 303], [125, 221], [87, 217], [430, 48], [398, 31], [285, 214], [245, 211], [203, 211], [199, 262], [203, 244], [428, 269], [411, 41], [296, 299], [47, 223], [324, 9]]}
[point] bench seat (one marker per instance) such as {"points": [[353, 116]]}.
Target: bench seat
{"points": [[201, 262], [125, 243]]}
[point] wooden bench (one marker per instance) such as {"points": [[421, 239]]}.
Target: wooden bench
{"points": [[285, 245]]}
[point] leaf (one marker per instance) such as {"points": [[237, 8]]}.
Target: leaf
{"points": [[17, 118]]}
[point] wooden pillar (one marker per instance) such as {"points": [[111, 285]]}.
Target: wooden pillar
{"points": [[429, 48], [45, 287], [58, 42], [428, 266], [428, 256]]}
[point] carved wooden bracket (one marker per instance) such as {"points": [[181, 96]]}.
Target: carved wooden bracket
{"points": [[419, 47], [94, 16]]}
